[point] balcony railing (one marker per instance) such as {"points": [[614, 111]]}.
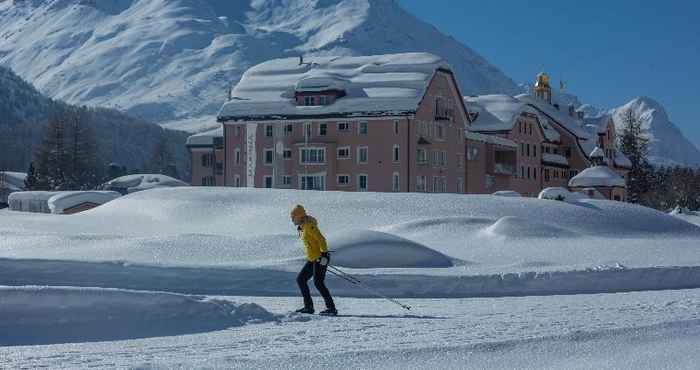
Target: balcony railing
{"points": [[504, 169]]}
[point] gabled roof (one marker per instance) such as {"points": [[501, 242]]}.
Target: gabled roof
{"points": [[495, 112], [205, 138], [564, 120], [378, 85]]}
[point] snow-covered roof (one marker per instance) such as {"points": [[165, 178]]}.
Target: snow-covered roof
{"points": [[205, 138], [597, 176], [558, 193], [564, 120], [555, 158], [138, 182], [597, 153], [14, 180], [69, 199], [495, 112], [550, 133], [376, 85], [489, 139], [507, 194]]}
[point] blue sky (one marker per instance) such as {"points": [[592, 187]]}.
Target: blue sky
{"points": [[607, 52]]}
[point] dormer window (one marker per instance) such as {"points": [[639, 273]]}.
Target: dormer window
{"points": [[309, 101], [323, 100]]}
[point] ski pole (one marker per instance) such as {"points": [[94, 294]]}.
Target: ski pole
{"points": [[353, 280]]}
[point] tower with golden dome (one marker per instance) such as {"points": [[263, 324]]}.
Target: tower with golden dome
{"points": [[543, 89]]}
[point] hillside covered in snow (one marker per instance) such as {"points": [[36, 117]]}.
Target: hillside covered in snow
{"points": [[24, 112], [175, 60]]}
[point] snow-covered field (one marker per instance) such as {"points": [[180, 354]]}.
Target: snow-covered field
{"points": [[438, 252]]}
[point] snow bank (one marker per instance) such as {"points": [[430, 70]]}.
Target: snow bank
{"points": [[139, 182], [373, 249], [42, 315]]}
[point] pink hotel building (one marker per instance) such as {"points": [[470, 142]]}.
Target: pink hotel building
{"points": [[392, 123]]}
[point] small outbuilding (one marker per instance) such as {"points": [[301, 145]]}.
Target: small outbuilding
{"points": [[138, 182], [59, 202], [600, 180]]}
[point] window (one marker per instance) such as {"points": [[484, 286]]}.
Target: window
{"points": [[439, 184], [420, 183], [546, 174], [396, 127], [219, 168], [527, 149], [287, 180], [568, 152], [439, 131], [343, 180], [323, 129], [287, 154], [208, 181], [362, 154], [269, 156], [395, 182], [312, 155], [288, 130], [238, 131], [522, 149], [207, 160], [443, 158], [362, 182], [219, 142], [460, 161], [530, 128], [522, 172], [237, 181], [268, 130], [443, 108], [343, 126], [460, 185], [520, 127], [472, 153], [238, 155], [308, 100], [268, 182], [534, 151], [396, 154], [307, 130], [363, 128], [323, 100], [343, 152], [421, 156], [534, 173], [312, 182], [435, 158], [528, 173]]}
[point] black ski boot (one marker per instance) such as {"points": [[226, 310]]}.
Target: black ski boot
{"points": [[329, 312], [308, 310]]}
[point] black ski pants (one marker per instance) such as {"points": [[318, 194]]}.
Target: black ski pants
{"points": [[318, 272]]}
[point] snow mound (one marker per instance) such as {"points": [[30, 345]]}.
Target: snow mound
{"points": [[516, 227], [374, 249], [43, 315]]}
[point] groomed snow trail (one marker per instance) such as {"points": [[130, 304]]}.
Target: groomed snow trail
{"points": [[637, 330]]}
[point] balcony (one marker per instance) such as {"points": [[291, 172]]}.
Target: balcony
{"points": [[504, 169]]}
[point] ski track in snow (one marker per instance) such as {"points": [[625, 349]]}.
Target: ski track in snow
{"points": [[635, 330]]}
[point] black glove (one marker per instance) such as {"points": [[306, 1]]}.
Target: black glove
{"points": [[325, 259]]}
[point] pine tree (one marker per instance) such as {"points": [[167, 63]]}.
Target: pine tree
{"points": [[31, 182], [83, 170], [162, 160], [634, 145]]}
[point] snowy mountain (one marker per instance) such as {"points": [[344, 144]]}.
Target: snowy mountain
{"points": [[667, 146], [24, 112], [175, 60]]}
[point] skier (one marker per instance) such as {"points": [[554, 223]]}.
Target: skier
{"points": [[317, 259]]}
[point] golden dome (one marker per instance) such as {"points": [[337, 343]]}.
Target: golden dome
{"points": [[542, 80]]}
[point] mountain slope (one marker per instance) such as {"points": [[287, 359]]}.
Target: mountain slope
{"points": [[667, 146], [168, 60], [24, 113]]}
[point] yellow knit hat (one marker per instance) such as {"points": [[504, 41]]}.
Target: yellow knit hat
{"points": [[298, 212]]}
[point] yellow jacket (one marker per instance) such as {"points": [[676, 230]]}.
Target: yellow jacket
{"points": [[314, 242]]}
